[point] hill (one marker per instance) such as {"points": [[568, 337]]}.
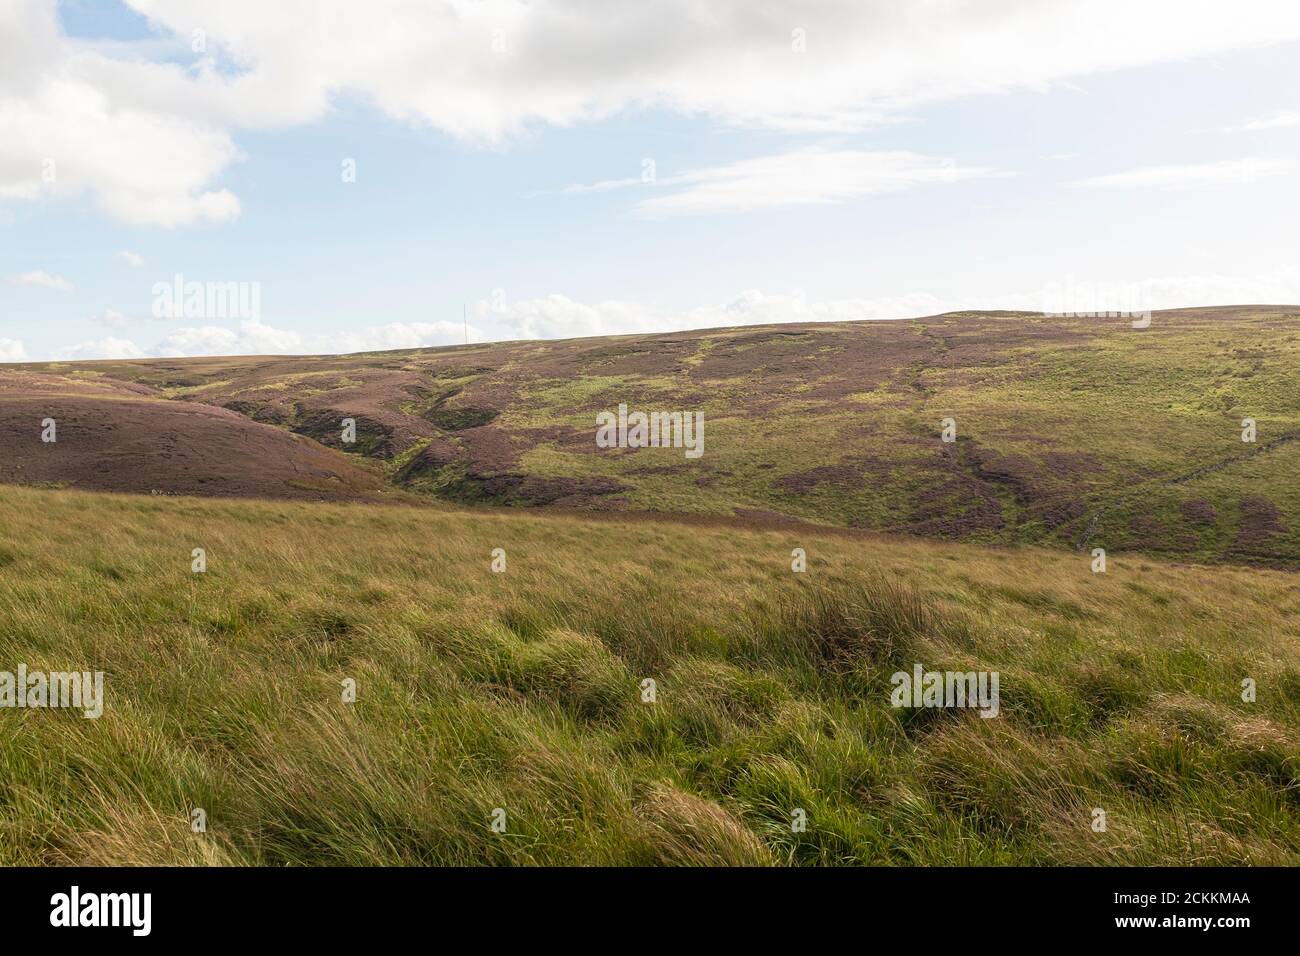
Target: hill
{"points": [[109, 435], [523, 691], [1069, 432]]}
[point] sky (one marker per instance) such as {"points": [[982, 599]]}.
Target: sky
{"points": [[181, 177]]}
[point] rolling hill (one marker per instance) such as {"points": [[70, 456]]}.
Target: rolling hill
{"points": [[118, 436], [1074, 433]]}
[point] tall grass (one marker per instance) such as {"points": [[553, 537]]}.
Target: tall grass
{"points": [[523, 691]]}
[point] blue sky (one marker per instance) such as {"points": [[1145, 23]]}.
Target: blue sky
{"points": [[890, 167]]}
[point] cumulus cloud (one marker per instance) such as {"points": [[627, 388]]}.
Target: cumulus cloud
{"points": [[11, 350], [148, 129], [395, 335], [105, 348], [69, 128], [1191, 175], [259, 338], [251, 338], [557, 316], [1276, 287], [487, 70], [560, 317], [39, 277]]}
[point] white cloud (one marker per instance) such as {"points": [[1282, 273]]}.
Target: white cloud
{"points": [[74, 120], [487, 70], [131, 258], [1277, 287], [251, 338], [559, 317], [801, 177], [39, 277], [395, 335], [1191, 175], [11, 350], [1276, 121], [148, 136], [105, 348], [258, 338]]}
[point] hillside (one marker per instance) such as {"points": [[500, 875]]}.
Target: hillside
{"points": [[110, 435], [521, 690], [1069, 432]]}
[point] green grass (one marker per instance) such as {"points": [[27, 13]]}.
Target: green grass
{"points": [[522, 691]]}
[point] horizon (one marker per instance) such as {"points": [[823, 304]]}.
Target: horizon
{"points": [[981, 313]]}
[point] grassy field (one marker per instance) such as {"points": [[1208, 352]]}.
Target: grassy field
{"points": [[520, 690]]}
